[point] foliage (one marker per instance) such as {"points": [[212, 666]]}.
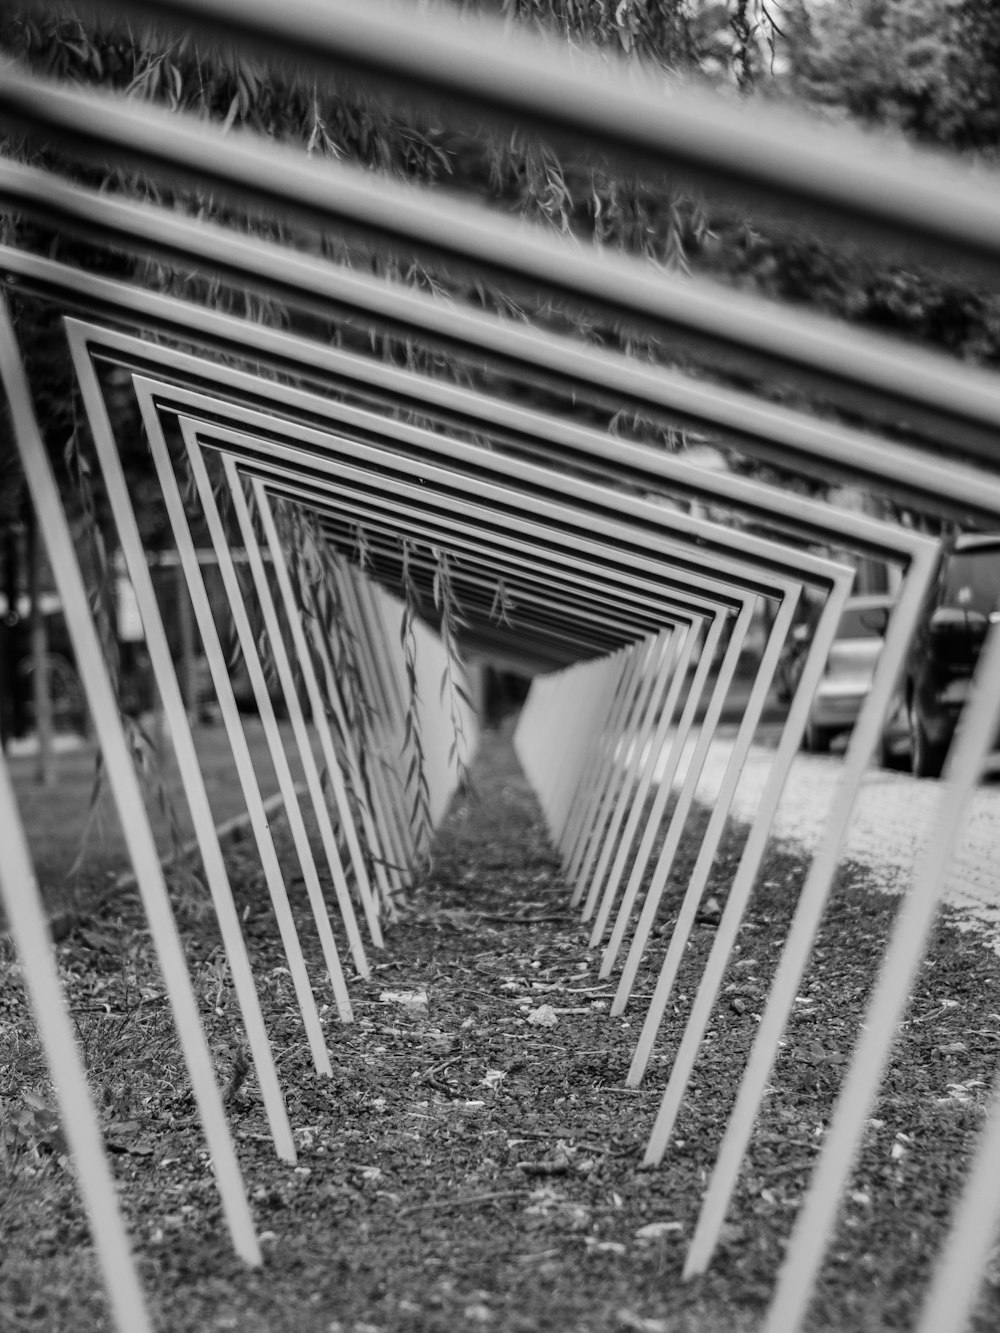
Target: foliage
{"points": [[416, 782], [319, 572], [453, 675], [929, 69]]}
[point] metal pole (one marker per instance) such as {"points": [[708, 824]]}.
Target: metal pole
{"points": [[377, 840], [656, 676], [185, 753], [636, 785], [678, 819], [78, 1117], [684, 921], [746, 874], [295, 714], [611, 740], [258, 683], [238, 742], [812, 901], [680, 662], [317, 703], [666, 779], [125, 788]]}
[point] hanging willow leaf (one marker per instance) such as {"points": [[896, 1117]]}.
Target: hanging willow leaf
{"points": [[453, 675]]}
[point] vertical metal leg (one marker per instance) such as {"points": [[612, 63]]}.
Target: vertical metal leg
{"points": [[658, 686], [688, 642], [26, 919], [237, 739], [593, 789], [381, 660], [958, 1275], [811, 903], [746, 874], [125, 788], [614, 771], [675, 829], [584, 695], [258, 683], [378, 656], [547, 753], [681, 931], [184, 749], [317, 704], [376, 840], [295, 714], [966, 759], [686, 721]]}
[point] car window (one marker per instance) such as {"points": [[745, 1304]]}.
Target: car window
{"points": [[861, 622], [972, 580]]}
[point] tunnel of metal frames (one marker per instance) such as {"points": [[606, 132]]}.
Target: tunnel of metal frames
{"points": [[564, 547]]}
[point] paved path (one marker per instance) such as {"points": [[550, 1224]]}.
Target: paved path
{"points": [[894, 816]]}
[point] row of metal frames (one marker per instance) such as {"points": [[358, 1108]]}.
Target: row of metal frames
{"points": [[622, 601]]}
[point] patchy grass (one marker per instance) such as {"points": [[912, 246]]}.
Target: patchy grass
{"points": [[56, 818], [465, 1167]]}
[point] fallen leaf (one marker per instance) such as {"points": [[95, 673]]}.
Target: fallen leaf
{"points": [[409, 999], [626, 1319], [657, 1230]]}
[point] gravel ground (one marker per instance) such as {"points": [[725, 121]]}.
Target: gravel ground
{"points": [[893, 818]]}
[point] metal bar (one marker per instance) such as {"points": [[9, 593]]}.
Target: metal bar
{"points": [[125, 788], [767, 504], [760, 564], [686, 648], [610, 737], [746, 874], [593, 868], [241, 751], [310, 282], [318, 705], [592, 771], [378, 841], [838, 173], [678, 820], [966, 760], [262, 697], [812, 900], [380, 660], [28, 928], [958, 1275], [591, 587], [657, 673], [296, 717], [681, 931], [677, 744], [185, 753]]}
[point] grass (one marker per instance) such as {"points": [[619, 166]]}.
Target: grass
{"points": [[465, 1168], [56, 819]]}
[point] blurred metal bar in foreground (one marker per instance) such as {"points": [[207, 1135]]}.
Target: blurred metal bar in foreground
{"points": [[882, 189]]}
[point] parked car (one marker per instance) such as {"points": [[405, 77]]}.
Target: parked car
{"points": [[963, 602], [847, 676], [793, 650]]}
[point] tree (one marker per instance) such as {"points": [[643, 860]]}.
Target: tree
{"points": [[930, 69]]}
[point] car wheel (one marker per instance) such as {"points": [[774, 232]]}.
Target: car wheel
{"points": [[816, 740], [926, 758]]}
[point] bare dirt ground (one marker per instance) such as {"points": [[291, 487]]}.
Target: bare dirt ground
{"points": [[466, 1166]]}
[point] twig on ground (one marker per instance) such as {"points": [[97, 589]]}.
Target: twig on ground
{"points": [[460, 1203], [435, 1069]]}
